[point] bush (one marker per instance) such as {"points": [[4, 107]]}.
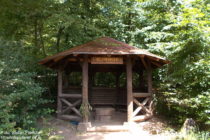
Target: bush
{"points": [[21, 101]]}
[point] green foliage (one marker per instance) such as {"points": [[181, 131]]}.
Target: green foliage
{"points": [[21, 101], [175, 29], [85, 109], [193, 135], [184, 90]]}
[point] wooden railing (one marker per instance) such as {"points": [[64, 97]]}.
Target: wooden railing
{"points": [[140, 95], [144, 107], [70, 104]]}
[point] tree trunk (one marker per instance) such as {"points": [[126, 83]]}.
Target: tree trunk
{"points": [[41, 39], [59, 38], [35, 34]]}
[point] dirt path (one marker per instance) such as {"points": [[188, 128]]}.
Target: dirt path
{"points": [[121, 136], [154, 129]]}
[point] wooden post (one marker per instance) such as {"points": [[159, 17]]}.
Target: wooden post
{"points": [[117, 84], [149, 77], [60, 83], [85, 88], [90, 84], [141, 80], [129, 89], [65, 80]]}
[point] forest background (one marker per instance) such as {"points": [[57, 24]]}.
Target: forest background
{"points": [[30, 30]]}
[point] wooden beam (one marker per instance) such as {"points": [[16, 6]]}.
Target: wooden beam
{"points": [[59, 104], [70, 96], [143, 61], [58, 58], [117, 83], [63, 66], [90, 82], [141, 94], [85, 87], [129, 89], [70, 117], [153, 58], [141, 79], [59, 62], [50, 64], [156, 63], [65, 80], [140, 107], [71, 105], [79, 61], [72, 59], [149, 77], [142, 117]]}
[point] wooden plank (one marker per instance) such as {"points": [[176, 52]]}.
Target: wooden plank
{"points": [[106, 60], [71, 105], [140, 95], [141, 79], [142, 117], [70, 95], [51, 63], [58, 58], [72, 59], [140, 107], [137, 111], [108, 128], [85, 87], [59, 104], [144, 63], [59, 63], [63, 66], [129, 89], [70, 117], [117, 84], [154, 58], [157, 64], [149, 77]]}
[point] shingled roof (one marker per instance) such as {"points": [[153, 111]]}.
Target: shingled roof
{"points": [[104, 46]]}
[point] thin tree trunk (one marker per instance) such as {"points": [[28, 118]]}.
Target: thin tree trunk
{"points": [[128, 28], [35, 34], [59, 38], [35, 37], [41, 39]]}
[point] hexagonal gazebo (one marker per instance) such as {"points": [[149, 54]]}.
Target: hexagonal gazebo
{"points": [[104, 55]]}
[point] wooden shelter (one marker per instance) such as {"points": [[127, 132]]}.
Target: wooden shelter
{"points": [[104, 55]]}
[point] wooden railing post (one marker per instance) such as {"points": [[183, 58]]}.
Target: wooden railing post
{"points": [[85, 88], [117, 84], [60, 83], [129, 89], [149, 78]]}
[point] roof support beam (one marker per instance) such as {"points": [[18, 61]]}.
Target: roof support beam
{"points": [[85, 103], [129, 89], [149, 77], [59, 104], [143, 61], [156, 64]]}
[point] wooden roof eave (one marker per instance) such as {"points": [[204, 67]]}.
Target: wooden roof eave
{"points": [[157, 62]]}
